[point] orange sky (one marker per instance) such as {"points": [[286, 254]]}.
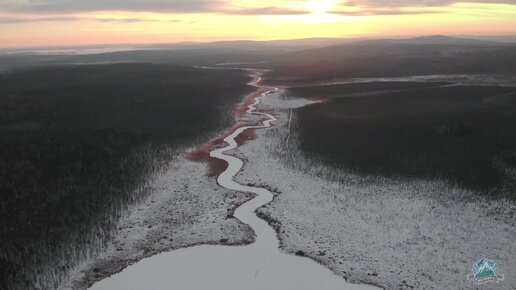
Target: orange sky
{"points": [[72, 22]]}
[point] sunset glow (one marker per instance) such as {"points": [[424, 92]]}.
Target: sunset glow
{"points": [[52, 22], [319, 6]]}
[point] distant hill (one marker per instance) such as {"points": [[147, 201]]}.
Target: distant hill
{"points": [[447, 40], [380, 47], [397, 57], [363, 56], [498, 38], [251, 45]]}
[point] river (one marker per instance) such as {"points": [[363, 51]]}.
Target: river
{"points": [[260, 265]]}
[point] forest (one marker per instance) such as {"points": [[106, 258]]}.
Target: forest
{"points": [[79, 144], [462, 135]]}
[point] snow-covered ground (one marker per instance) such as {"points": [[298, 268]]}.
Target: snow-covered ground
{"points": [[456, 79], [395, 234], [185, 208], [257, 266]]}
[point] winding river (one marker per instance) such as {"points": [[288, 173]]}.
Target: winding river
{"points": [[260, 265]]}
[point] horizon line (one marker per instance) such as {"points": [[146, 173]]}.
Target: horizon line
{"points": [[193, 42]]}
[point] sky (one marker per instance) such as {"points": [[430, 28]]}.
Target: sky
{"points": [[25, 23]]}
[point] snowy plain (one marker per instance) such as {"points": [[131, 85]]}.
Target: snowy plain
{"points": [[185, 208], [397, 234], [257, 266], [409, 234]]}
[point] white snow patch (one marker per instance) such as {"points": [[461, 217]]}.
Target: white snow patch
{"points": [[395, 234], [185, 208], [258, 266]]}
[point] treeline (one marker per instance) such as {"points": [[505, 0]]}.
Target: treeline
{"points": [[78, 144], [377, 60], [462, 135]]}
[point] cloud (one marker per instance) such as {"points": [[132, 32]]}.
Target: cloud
{"points": [[378, 12], [69, 6], [11, 20], [263, 11], [128, 20], [160, 6], [401, 7], [369, 7], [417, 3], [14, 20]]}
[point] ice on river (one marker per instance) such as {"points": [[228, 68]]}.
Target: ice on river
{"points": [[227, 268], [257, 266]]}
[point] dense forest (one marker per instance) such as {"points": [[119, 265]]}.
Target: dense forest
{"points": [[463, 135], [78, 144]]}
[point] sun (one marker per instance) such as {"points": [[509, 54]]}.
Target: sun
{"points": [[319, 6], [318, 11], [315, 12]]}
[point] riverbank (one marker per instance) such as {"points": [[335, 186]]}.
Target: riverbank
{"points": [[186, 208], [257, 266], [394, 234], [82, 145]]}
